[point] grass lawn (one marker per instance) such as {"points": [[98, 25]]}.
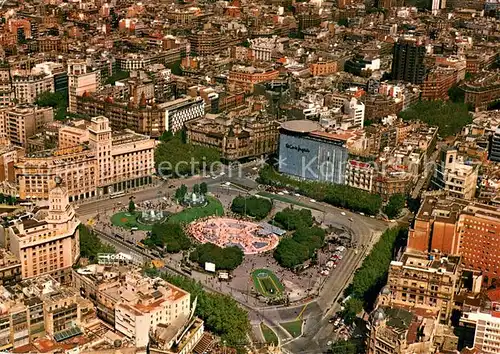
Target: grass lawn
{"points": [[269, 335], [214, 207], [126, 220], [285, 199], [267, 283], [294, 327]]}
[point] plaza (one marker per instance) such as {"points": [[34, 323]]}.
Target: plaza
{"points": [[251, 237]]}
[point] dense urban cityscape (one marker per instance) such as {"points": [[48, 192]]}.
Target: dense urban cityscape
{"points": [[228, 176]]}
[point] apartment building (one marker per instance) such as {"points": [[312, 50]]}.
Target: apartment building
{"points": [[239, 137], [80, 81], [108, 163], [47, 243], [146, 303], [360, 175], [455, 175], [485, 322], [9, 155], [28, 86], [424, 281], [399, 330], [458, 227], [10, 268], [40, 309], [6, 91], [408, 61], [19, 123], [323, 68], [244, 77], [438, 82]]}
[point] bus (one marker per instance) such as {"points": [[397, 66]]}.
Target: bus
{"points": [[117, 194]]}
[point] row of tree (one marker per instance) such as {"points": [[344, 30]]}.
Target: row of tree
{"points": [[7, 199], [91, 245], [394, 206], [171, 237], [175, 158], [339, 195], [293, 219], [227, 258], [371, 277], [449, 117], [221, 313], [253, 206], [295, 250], [56, 100]]}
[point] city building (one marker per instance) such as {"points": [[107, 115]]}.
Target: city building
{"points": [[307, 152], [146, 303], [6, 91], [485, 322], [438, 82], [244, 77], [483, 91], [109, 163], [80, 81], [456, 175], [46, 242], [455, 226], [180, 111], [236, 137], [424, 281], [321, 68], [19, 123], [494, 146], [408, 61], [28, 86], [10, 268], [399, 330]]}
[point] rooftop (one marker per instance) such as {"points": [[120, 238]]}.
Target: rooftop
{"points": [[301, 126]]}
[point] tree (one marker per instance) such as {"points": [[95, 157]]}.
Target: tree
{"points": [[335, 194], [180, 193], [203, 188], [131, 206], [117, 76], [175, 158], [345, 347], [294, 251], [456, 94], [227, 258], [293, 219], [196, 189], [91, 245], [170, 236], [395, 205], [253, 206], [352, 307], [56, 100], [449, 117]]}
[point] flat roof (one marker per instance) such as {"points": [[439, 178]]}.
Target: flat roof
{"points": [[300, 126]]}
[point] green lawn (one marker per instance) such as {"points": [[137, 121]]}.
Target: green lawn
{"points": [[214, 207], [269, 335], [126, 220], [293, 327], [285, 199], [268, 285]]}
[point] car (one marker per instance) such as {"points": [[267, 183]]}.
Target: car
{"points": [[372, 216], [340, 249], [312, 200], [332, 319], [342, 213], [329, 343], [286, 192], [280, 193], [297, 194], [362, 214]]}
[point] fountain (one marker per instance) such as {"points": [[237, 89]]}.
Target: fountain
{"points": [[150, 217], [194, 200]]}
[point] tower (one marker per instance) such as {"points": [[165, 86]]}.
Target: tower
{"points": [[408, 61], [101, 142]]}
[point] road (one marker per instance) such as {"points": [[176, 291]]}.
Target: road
{"points": [[317, 331]]}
